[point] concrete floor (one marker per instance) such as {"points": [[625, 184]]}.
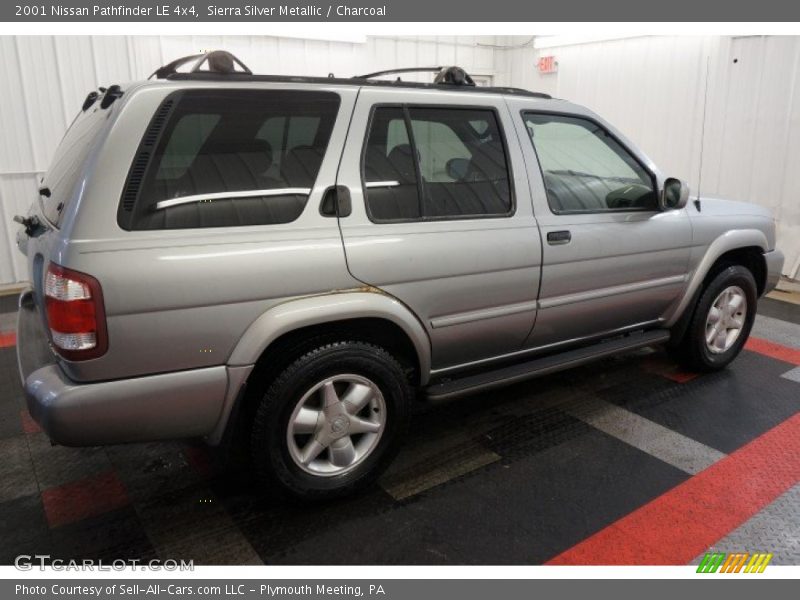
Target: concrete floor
{"points": [[626, 461]]}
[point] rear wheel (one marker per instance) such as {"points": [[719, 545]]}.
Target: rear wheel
{"points": [[721, 321], [331, 421]]}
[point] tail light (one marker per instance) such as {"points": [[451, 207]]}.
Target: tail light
{"points": [[75, 314]]}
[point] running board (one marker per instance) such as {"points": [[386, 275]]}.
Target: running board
{"points": [[542, 366]]}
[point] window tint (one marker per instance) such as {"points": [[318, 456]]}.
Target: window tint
{"points": [[390, 175], [437, 144], [218, 150], [451, 164], [284, 134], [585, 169], [190, 133]]}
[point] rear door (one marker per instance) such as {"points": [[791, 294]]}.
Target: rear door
{"points": [[442, 219]]}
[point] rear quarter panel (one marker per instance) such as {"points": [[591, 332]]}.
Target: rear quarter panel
{"points": [[181, 299]]}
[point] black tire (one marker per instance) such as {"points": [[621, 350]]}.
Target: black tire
{"points": [[270, 455], [693, 350]]}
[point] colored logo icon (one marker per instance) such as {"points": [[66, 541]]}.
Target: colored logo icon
{"points": [[741, 562]]}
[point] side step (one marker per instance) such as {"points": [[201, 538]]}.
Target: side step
{"points": [[543, 365]]}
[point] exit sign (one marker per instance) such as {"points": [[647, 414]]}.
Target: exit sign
{"points": [[547, 64]]}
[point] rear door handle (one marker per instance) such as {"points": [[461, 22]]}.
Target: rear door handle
{"points": [[554, 238], [336, 202]]}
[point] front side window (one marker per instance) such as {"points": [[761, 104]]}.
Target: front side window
{"points": [[434, 163], [229, 158], [585, 169]]}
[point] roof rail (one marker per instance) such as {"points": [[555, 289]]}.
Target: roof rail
{"points": [[222, 68], [219, 61]]}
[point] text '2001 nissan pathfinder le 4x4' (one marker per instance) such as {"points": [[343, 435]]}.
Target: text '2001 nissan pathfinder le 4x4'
{"points": [[296, 258]]}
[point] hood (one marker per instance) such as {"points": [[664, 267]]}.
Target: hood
{"points": [[713, 206]]}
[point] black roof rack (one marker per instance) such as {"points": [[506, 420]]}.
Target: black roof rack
{"points": [[219, 61], [221, 69], [399, 71], [444, 75]]}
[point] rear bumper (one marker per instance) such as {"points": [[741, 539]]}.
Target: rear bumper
{"points": [[165, 406], [774, 262]]}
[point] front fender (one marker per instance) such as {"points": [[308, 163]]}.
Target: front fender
{"points": [[730, 240], [327, 308]]}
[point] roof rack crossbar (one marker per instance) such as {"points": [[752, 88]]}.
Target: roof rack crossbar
{"points": [[399, 71], [444, 75], [219, 62]]}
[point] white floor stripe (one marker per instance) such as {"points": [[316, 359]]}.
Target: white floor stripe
{"points": [[777, 330], [673, 448]]}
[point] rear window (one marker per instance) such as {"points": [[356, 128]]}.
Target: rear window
{"points": [[68, 162], [228, 158]]}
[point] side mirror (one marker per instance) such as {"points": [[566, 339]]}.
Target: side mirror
{"points": [[674, 195]]}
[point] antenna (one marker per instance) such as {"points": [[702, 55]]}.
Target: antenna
{"points": [[703, 133]]}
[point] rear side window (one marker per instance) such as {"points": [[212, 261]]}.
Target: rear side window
{"points": [[427, 163], [69, 160], [228, 158]]}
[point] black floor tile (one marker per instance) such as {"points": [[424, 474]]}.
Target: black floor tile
{"points": [[274, 527], [522, 512], [525, 435], [778, 309], [724, 410], [8, 303], [114, 535], [56, 465], [151, 470], [10, 421], [17, 477], [23, 528]]}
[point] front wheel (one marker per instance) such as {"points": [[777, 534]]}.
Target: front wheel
{"points": [[722, 320], [331, 421]]}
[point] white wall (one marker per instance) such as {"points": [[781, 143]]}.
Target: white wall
{"points": [[654, 90], [45, 80]]}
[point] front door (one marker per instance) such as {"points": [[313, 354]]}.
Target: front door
{"points": [[611, 259]]}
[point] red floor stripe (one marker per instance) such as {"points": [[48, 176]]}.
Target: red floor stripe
{"points": [[200, 460], [773, 350], [682, 523], [8, 339], [28, 424], [85, 498], [668, 369]]}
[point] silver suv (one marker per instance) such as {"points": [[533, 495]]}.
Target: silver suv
{"points": [[291, 260]]}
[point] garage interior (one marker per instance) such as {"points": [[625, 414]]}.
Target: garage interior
{"points": [[629, 460]]}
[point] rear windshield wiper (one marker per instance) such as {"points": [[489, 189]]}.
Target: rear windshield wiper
{"points": [[31, 224]]}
